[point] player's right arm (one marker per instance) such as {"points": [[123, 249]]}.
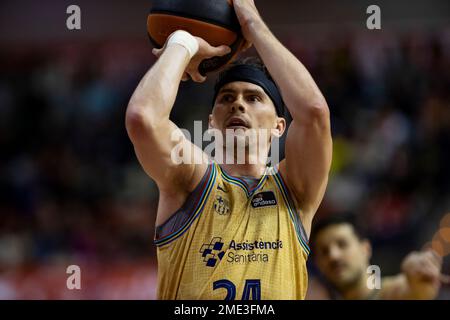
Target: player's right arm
{"points": [[154, 135]]}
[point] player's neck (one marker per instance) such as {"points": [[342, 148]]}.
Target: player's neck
{"points": [[252, 164], [244, 170], [359, 291]]}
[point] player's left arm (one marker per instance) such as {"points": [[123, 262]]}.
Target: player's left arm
{"points": [[308, 144], [420, 278]]}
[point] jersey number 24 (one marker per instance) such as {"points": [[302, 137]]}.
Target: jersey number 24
{"points": [[252, 289]]}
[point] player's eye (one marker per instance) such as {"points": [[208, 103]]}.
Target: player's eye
{"points": [[254, 98], [227, 98], [342, 244]]}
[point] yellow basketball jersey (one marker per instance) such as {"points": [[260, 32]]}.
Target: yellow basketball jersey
{"points": [[237, 242]]}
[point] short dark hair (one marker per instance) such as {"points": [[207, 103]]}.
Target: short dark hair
{"points": [[337, 219]]}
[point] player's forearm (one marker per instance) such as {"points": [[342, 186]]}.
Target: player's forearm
{"points": [[155, 95], [298, 88], [400, 287]]}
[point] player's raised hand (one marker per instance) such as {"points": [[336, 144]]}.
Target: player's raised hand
{"points": [[205, 51], [423, 272], [248, 15], [423, 266]]}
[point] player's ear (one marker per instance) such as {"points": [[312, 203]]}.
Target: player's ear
{"points": [[280, 127], [367, 247], [210, 122]]}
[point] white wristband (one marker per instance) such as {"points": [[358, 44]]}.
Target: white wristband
{"points": [[184, 39]]}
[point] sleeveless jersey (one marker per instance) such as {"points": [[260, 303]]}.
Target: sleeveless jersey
{"points": [[233, 241]]}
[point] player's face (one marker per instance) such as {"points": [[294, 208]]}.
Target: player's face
{"points": [[341, 256], [242, 106]]}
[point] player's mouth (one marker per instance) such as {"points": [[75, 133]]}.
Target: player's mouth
{"points": [[237, 123], [338, 268]]}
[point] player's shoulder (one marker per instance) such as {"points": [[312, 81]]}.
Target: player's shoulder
{"points": [[175, 198]]}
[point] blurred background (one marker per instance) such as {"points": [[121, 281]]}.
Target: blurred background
{"points": [[73, 193]]}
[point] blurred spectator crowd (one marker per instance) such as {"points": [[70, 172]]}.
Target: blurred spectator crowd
{"points": [[71, 189]]}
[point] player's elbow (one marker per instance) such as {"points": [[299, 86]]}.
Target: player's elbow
{"points": [[317, 114], [137, 122]]}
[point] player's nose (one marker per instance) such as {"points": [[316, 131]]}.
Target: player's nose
{"points": [[334, 253], [238, 104]]}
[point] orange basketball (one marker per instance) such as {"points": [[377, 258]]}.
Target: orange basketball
{"points": [[213, 20]]}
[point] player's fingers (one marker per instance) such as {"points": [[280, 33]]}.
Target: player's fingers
{"points": [[185, 77], [157, 52], [246, 45], [430, 257], [429, 271], [197, 77], [434, 257], [428, 262], [219, 51]]}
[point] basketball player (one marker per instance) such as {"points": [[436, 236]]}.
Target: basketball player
{"points": [[229, 230], [342, 255]]}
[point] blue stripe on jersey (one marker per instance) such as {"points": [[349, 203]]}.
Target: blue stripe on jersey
{"points": [[198, 210], [301, 234]]}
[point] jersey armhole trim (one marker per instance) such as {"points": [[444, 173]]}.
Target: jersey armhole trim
{"points": [[298, 225], [205, 190]]}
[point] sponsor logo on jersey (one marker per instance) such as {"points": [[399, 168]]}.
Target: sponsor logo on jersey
{"points": [[238, 252], [247, 245], [211, 252], [264, 199]]}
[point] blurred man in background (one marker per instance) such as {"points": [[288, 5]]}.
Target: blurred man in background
{"points": [[343, 254]]}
